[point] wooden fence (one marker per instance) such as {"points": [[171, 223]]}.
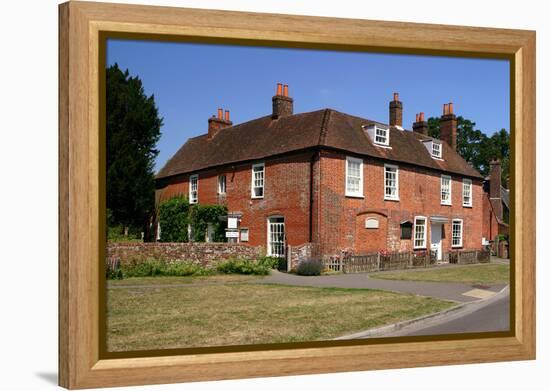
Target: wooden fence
{"points": [[466, 257], [366, 263]]}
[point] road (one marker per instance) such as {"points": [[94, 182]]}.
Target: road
{"points": [[493, 317]]}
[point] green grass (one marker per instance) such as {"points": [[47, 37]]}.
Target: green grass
{"points": [[247, 313], [471, 274]]}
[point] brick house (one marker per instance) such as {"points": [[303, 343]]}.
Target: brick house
{"points": [[336, 180]]}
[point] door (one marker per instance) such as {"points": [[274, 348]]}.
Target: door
{"points": [[436, 239], [276, 236]]}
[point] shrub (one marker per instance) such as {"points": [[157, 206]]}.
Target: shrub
{"points": [[150, 267], [174, 219], [242, 266], [113, 271], [271, 262], [309, 267]]}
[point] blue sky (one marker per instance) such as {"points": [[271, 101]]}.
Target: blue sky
{"points": [[190, 81]]}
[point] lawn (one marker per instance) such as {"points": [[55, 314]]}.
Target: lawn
{"points": [[249, 313], [471, 274]]}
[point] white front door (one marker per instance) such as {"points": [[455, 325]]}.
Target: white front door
{"points": [[276, 236], [436, 239]]}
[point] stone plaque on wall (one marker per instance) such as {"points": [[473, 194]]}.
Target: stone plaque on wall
{"points": [[371, 223]]}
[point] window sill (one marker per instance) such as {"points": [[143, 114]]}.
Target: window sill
{"points": [[391, 199], [467, 206], [382, 145], [355, 196], [457, 247], [446, 204], [419, 248], [257, 198]]}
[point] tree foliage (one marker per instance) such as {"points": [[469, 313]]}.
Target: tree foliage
{"points": [[133, 130], [476, 147], [174, 219]]}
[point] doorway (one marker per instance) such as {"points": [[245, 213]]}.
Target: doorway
{"points": [[276, 236], [435, 242]]}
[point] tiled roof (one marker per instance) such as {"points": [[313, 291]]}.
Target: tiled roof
{"points": [[264, 137]]}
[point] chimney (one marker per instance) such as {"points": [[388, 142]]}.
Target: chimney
{"points": [[217, 123], [494, 187], [420, 125], [448, 125], [283, 105], [396, 111]]}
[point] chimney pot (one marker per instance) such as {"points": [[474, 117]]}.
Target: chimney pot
{"points": [[448, 126], [420, 126], [417, 116], [283, 105], [220, 113], [226, 116], [396, 111]]}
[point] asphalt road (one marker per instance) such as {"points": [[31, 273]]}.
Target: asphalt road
{"points": [[492, 317]]}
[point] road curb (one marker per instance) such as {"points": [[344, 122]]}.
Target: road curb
{"points": [[458, 310]]}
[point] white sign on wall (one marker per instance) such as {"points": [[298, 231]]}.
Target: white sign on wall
{"points": [[232, 222], [371, 223], [231, 234]]}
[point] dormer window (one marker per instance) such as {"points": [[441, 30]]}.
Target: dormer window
{"points": [[434, 147], [379, 135], [436, 150]]}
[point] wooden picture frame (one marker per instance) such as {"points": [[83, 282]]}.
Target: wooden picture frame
{"points": [[83, 26]]}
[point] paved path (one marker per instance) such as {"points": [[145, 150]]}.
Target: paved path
{"points": [[492, 314], [446, 291]]}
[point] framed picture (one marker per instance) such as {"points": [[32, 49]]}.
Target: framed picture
{"points": [[248, 195]]}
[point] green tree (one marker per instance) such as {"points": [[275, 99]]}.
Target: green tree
{"points": [[476, 147], [133, 130]]}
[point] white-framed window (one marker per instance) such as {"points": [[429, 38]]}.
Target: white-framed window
{"points": [[391, 182], [221, 184], [436, 150], [354, 177], [445, 190], [381, 136], [258, 179], [467, 192], [420, 232], [457, 233], [193, 189], [244, 234]]}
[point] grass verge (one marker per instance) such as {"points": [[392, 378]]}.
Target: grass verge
{"points": [[167, 280], [470, 274], [238, 314]]}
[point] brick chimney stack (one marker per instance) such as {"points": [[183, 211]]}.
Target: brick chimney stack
{"points": [[420, 125], [283, 105], [217, 123], [396, 111], [494, 187], [448, 125]]}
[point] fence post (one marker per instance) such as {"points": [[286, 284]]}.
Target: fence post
{"points": [[378, 261]]}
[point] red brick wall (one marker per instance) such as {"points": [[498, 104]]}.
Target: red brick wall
{"points": [[419, 193], [337, 221], [286, 193]]}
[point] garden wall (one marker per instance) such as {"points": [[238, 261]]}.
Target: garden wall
{"points": [[298, 253], [204, 253]]}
